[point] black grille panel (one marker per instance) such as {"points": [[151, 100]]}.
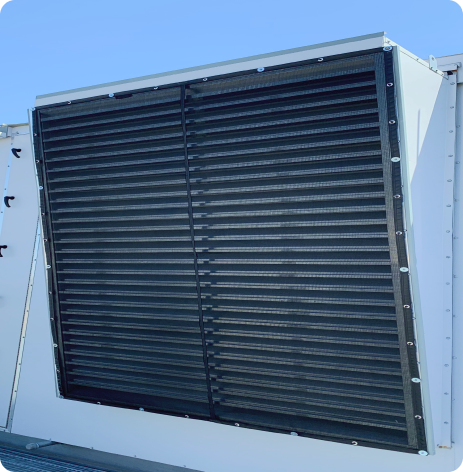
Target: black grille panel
{"points": [[226, 249]]}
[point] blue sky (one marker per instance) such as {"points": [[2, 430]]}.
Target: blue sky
{"points": [[53, 45]]}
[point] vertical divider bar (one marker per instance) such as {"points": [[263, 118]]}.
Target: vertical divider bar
{"points": [[195, 257], [448, 235], [395, 228]]}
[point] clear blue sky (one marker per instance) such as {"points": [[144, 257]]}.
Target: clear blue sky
{"points": [[53, 45]]}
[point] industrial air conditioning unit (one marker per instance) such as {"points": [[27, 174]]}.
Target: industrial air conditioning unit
{"points": [[260, 246]]}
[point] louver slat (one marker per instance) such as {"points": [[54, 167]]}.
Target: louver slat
{"points": [[226, 249]]}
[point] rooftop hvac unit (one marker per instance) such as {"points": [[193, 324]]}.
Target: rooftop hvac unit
{"points": [[252, 246]]}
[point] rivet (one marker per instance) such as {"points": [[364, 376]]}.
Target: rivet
{"points": [[392, 122], [205, 79], [237, 424], [293, 433], [32, 109], [111, 95], [387, 48], [45, 240], [395, 159], [55, 345], [40, 188], [399, 233], [187, 416], [261, 69], [141, 409], [320, 59], [69, 103], [409, 343], [403, 269], [406, 306], [355, 443], [35, 134], [390, 84], [416, 380], [98, 403], [155, 88], [48, 266], [37, 161], [422, 453], [397, 196], [418, 417]]}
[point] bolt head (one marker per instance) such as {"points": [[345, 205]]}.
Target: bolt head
{"points": [[261, 69], [406, 306], [320, 59], [418, 417], [355, 443], [395, 159], [392, 122], [237, 424], [293, 433], [423, 453], [390, 84], [410, 343], [387, 48], [111, 95], [404, 269], [416, 380], [205, 79]]}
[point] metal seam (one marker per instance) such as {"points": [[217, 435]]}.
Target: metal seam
{"points": [[195, 256]]}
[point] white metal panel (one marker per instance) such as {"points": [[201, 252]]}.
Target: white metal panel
{"points": [[17, 232], [218, 448], [265, 60]]}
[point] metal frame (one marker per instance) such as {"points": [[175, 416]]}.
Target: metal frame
{"points": [[398, 247]]}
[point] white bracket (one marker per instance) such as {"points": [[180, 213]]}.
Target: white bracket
{"points": [[432, 62]]}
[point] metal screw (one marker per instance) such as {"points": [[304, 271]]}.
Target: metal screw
{"points": [[55, 345], [35, 134], [409, 343], [69, 103], [320, 59], [111, 95], [392, 122], [395, 159], [261, 69], [292, 433], [387, 48], [48, 266], [155, 88], [355, 443], [98, 403], [403, 269], [187, 416], [40, 188], [406, 306], [422, 453], [399, 233], [390, 84], [45, 240], [141, 409], [32, 109], [37, 161], [418, 417], [237, 424], [416, 380], [205, 79]]}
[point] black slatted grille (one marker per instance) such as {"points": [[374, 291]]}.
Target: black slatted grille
{"points": [[225, 249]]}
